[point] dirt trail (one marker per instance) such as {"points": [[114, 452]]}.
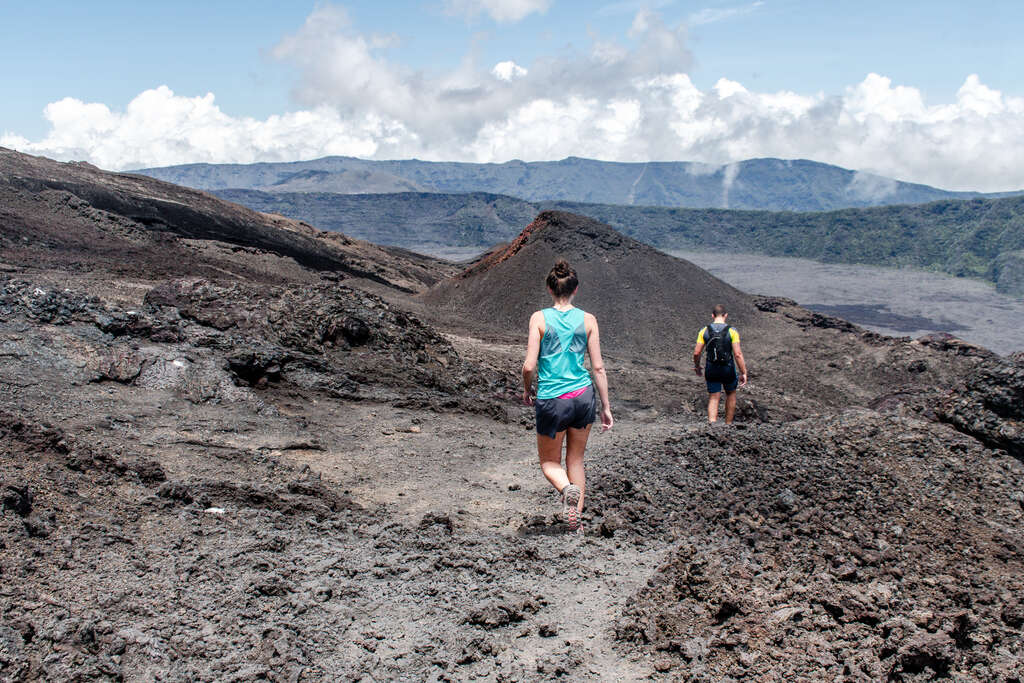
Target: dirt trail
{"points": [[485, 475]]}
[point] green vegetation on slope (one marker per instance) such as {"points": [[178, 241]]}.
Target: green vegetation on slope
{"points": [[973, 238]]}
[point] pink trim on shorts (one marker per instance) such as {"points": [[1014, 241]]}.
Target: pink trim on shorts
{"points": [[574, 394]]}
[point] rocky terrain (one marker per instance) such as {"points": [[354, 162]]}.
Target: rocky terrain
{"points": [[828, 549], [233, 447]]}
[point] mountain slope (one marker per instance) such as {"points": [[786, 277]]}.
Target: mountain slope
{"points": [[775, 184], [343, 182], [77, 215], [971, 238], [413, 220], [648, 302]]}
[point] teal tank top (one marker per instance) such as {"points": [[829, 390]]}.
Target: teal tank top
{"points": [[560, 366]]}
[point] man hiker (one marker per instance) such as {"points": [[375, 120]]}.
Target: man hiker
{"points": [[724, 355]]}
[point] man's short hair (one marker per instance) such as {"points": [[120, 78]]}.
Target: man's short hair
{"points": [[718, 310]]}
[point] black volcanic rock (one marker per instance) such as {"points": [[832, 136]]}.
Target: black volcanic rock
{"points": [[859, 571], [989, 405]]}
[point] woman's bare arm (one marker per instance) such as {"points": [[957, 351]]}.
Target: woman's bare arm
{"points": [[532, 352], [597, 370]]}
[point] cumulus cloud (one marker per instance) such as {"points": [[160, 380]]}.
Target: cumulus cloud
{"points": [[508, 70], [627, 99], [450, 115], [499, 10], [159, 128]]}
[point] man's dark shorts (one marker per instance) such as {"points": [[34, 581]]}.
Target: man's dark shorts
{"points": [[558, 414], [718, 378]]}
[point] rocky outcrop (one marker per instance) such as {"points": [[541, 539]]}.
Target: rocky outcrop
{"points": [[323, 338], [856, 546], [989, 405], [804, 317]]}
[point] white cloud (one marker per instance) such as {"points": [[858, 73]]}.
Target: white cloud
{"points": [[500, 10], [161, 128], [622, 100], [728, 178], [508, 70], [870, 187]]}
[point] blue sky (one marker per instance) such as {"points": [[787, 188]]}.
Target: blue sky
{"points": [[877, 86]]}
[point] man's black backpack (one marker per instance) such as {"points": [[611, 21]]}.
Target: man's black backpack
{"points": [[719, 346]]}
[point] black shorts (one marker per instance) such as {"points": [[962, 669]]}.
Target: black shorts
{"points": [[558, 414], [721, 377]]}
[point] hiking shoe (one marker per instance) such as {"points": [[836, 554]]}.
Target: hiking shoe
{"points": [[570, 500]]}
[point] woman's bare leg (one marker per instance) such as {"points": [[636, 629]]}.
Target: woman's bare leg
{"points": [[575, 445], [550, 452]]}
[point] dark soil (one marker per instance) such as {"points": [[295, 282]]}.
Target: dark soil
{"points": [[224, 459]]}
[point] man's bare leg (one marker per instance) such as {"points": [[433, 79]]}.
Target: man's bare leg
{"points": [[713, 406], [576, 444], [730, 406]]}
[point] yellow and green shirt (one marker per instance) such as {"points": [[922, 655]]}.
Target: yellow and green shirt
{"points": [[703, 337]]}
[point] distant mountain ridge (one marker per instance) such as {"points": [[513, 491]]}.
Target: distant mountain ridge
{"points": [[982, 238], [771, 184]]}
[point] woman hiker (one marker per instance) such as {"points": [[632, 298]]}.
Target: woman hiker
{"points": [[564, 404]]}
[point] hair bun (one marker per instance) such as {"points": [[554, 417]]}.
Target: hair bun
{"points": [[562, 279]]}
